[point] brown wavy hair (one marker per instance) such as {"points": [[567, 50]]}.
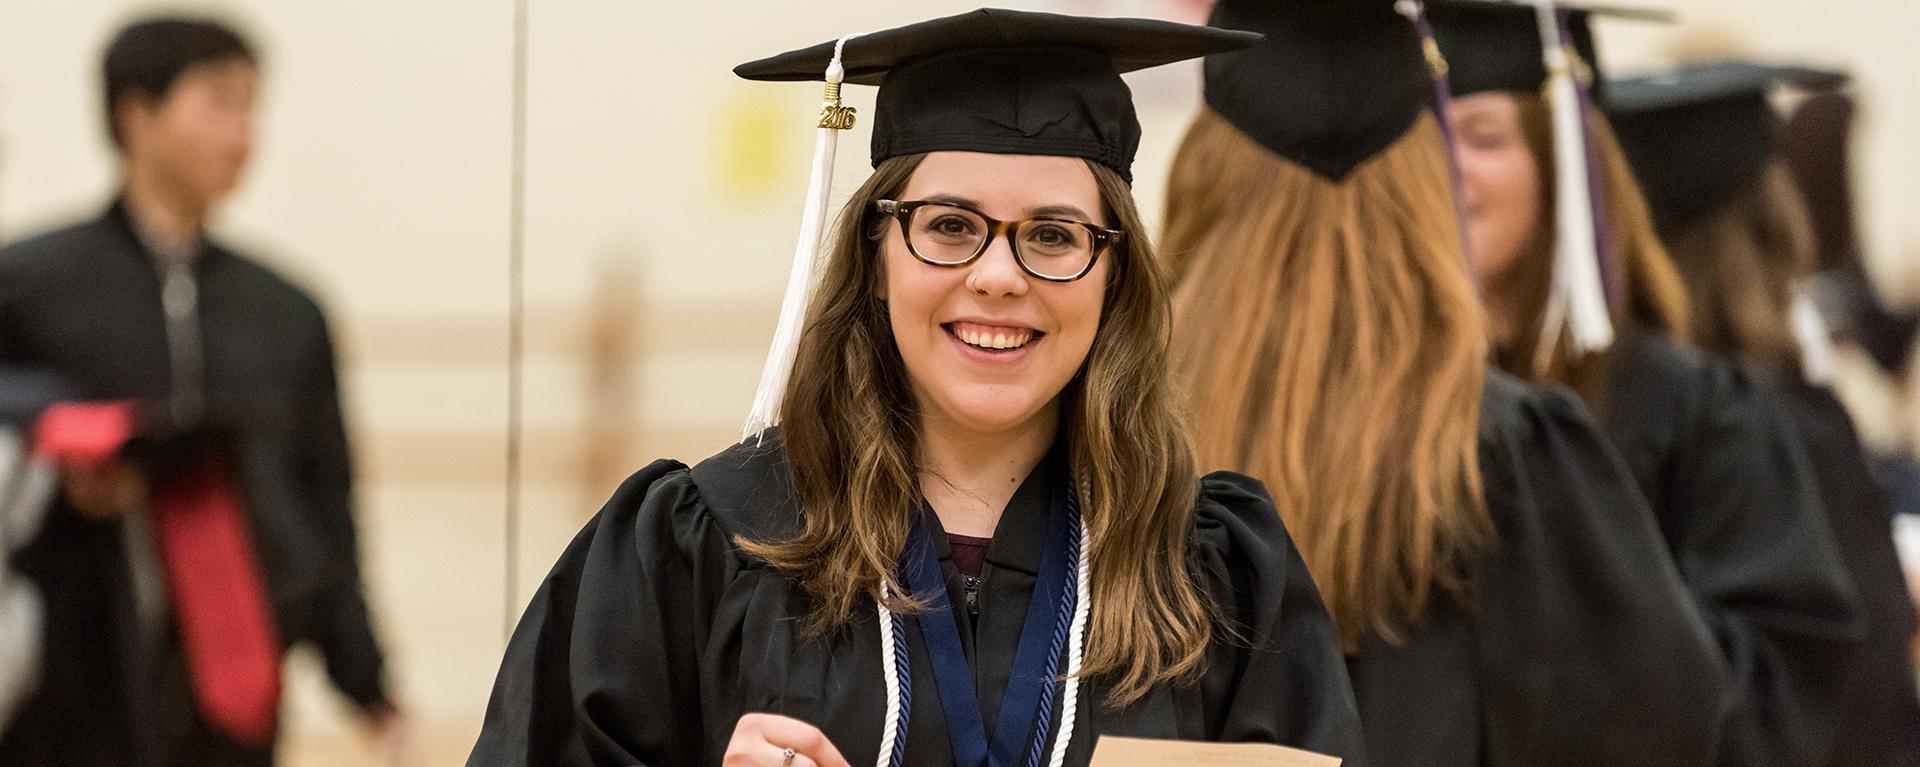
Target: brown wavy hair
{"points": [[851, 431], [1739, 263], [1334, 347], [1655, 296]]}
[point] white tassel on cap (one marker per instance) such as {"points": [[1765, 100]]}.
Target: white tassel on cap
{"points": [[813, 221], [1577, 299], [1816, 344]]}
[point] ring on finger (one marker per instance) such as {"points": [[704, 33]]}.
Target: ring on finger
{"points": [[786, 758]]}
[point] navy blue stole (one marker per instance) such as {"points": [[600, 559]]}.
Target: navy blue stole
{"points": [[1026, 708]]}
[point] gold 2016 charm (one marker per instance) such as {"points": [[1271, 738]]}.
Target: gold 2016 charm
{"points": [[832, 114]]}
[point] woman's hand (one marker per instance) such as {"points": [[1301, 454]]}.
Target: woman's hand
{"points": [[762, 740]]}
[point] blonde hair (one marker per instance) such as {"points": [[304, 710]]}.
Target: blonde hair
{"points": [[1334, 348], [1655, 296], [852, 429], [1739, 263]]}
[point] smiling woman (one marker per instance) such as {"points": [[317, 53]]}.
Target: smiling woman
{"points": [[980, 490], [987, 346]]}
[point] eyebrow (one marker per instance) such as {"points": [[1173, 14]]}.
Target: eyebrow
{"points": [[1067, 211]]}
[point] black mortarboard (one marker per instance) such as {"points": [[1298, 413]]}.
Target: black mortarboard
{"points": [[1698, 135], [1494, 45], [1335, 81], [1006, 82]]}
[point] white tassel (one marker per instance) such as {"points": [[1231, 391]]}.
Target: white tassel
{"points": [[813, 222], [1816, 345], [1577, 296]]}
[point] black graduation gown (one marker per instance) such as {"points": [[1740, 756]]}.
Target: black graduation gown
{"points": [[654, 633], [1579, 645], [1740, 511], [84, 304], [1880, 721]]}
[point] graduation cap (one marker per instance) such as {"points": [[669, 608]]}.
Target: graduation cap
{"points": [[1698, 135], [1334, 82], [991, 80], [1495, 46], [1547, 47], [1005, 82]]}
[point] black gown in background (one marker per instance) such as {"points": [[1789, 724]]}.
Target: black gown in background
{"points": [[1740, 510], [1580, 645], [1880, 723], [654, 633]]}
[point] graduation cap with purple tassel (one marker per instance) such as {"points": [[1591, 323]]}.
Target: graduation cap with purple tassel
{"points": [[1547, 47]]}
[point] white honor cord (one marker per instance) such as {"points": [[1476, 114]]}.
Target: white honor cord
{"points": [[793, 308], [1075, 638], [1068, 700], [891, 731], [1577, 286]]}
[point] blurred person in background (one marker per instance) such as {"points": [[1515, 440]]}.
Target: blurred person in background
{"points": [[1816, 141], [1709, 445], [1499, 582], [204, 521], [1703, 142]]}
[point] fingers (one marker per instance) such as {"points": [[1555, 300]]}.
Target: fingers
{"points": [[760, 740], [102, 491]]}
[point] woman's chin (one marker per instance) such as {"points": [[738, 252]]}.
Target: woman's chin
{"points": [[994, 415]]}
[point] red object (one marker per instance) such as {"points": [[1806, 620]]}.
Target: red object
{"points": [[220, 599], [969, 553], [84, 433]]}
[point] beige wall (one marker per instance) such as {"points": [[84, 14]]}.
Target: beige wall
{"points": [[662, 198]]}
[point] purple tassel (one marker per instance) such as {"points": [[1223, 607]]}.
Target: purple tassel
{"points": [[1442, 101]]}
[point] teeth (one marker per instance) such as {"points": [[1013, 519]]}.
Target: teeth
{"points": [[986, 340]]}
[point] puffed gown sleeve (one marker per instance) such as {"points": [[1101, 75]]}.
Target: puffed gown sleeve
{"points": [[1282, 678], [1591, 650], [1739, 508], [1880, 726], [620, 613]]}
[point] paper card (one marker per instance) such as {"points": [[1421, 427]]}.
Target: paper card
{"points": [[1144, 752]]}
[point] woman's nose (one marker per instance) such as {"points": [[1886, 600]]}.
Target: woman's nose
{"points": [[996, 273]]}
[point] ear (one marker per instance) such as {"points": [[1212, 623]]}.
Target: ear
{"points": [[131, 113]]}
